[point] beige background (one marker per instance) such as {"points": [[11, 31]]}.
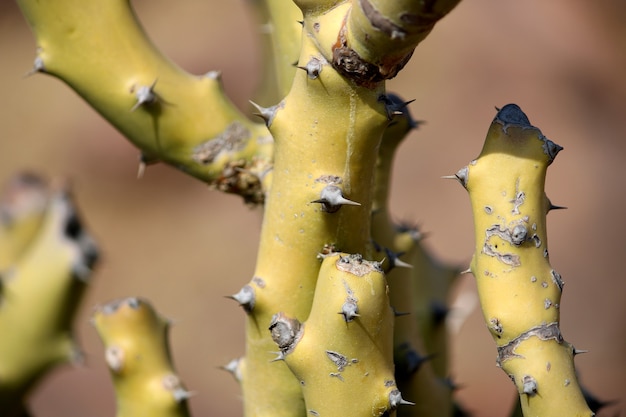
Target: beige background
{"points": [[167, 238]]}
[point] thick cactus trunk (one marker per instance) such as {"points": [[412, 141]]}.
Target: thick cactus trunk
{"points": [[520, 292]]}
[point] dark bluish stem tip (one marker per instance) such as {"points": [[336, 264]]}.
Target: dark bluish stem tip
{"points": [[512, 114]]}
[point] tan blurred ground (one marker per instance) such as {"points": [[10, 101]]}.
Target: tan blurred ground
{"points": [[167, 238]]}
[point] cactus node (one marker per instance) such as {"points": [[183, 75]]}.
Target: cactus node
{"points": [[245, 297], [332, 199], [145, 95]]}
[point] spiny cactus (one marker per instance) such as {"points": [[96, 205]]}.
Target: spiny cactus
{"points": [[317, 164], [345, 345], [520, 292], [138, 356], [47, 258]]}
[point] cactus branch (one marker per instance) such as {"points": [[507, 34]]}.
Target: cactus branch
{"points": [[41, 291], [344, 367], [410, 291], [172, 116], [520, 293], [137, 354]]}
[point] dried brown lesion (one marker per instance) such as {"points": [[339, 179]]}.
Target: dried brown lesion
{"points": [[244, 178]]}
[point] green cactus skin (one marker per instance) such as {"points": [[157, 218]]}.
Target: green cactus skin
{"points": [[41, 292], [326, 135], [138, 356], [172, 116], [519, 291], [342, 355]]}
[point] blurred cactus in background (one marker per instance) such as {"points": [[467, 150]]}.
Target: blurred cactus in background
{"points": [[347, 311]]}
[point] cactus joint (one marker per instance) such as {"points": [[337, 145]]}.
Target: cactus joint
{"points": [[232, 139]]}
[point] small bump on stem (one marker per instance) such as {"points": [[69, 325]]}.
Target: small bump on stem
{"points": [[267, 113], [332, 199], [245, 297], [529, 385], [395, 399], [145, 95]]}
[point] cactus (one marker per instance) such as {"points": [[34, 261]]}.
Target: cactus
{"points": [[47, 261], [520, 292], [332, 267], [137, 354]]}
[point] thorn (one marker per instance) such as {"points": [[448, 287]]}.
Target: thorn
{"points": [[553, 207], [395, 106], [233, 368], [313, 67], [461, 176], [38, 66], [144, 161], [300, 22], [349, 310], [145, 95], [439, 312], [529, 386], [280, 356], [579, 351], [214, 75], [266, 113], [245, 297], [399, 313], [331, 199], [409, 361], [466, 271], [395, 261], [173, 384], [395, 399]]}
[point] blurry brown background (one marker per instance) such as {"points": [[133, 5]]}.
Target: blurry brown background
{"points": [[167, 238]]}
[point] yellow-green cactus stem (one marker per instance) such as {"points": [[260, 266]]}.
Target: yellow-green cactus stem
{"points": [[22, 208], [280, 31], [137, 354], [520, 293], [327, 131], [326, 135], [40, 295], [432, 282], [406, 268], [171, 115], [342, 355]]}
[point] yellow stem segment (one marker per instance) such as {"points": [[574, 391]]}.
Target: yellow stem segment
{"points": [[137, 353], [343, 355], [100, 50], [39, 296], [519, 291]]}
